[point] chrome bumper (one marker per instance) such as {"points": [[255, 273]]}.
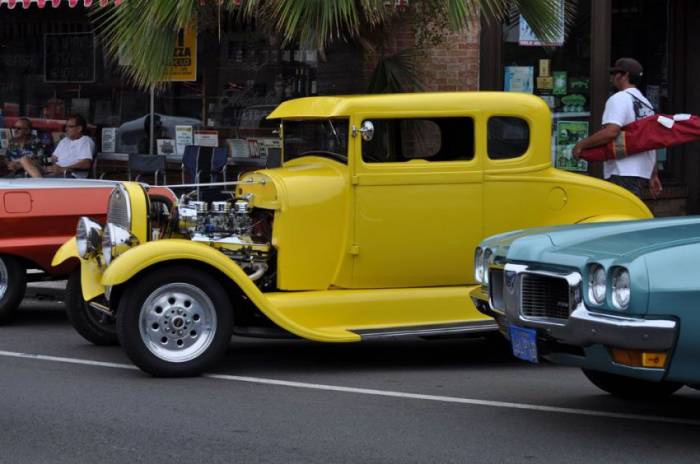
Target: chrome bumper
{"points": [[583, 327]]}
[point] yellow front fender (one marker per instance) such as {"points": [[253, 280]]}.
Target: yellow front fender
{"points": [[67, 251], [90, 270], [141, 257]]}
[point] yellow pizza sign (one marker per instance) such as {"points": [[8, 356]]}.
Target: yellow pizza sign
{"points": [[183, 66]]}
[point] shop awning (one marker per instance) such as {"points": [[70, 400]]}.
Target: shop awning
{"points": [[55, 3]]}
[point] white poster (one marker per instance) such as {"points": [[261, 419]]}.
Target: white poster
{"points": [[528, 38], [109, 139], [183, 137], [238, 148], [206, 138]]}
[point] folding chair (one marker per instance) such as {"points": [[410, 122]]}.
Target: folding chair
{"points": [[201, 165], [274, 158], [140, 164]]}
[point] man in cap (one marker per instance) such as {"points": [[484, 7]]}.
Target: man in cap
{"points": [[622, 108]]}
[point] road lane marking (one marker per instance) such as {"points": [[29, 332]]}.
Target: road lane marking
{"points": [[374, 392]]}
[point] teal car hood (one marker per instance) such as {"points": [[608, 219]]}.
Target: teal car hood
{"points": [[610, 239]]}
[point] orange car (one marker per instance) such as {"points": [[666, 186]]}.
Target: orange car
{"points": [[36, 217]]}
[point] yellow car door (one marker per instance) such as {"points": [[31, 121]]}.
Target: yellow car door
{"points": [[417, 189]]}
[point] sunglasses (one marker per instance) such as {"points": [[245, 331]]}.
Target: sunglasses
{"points": [[20, 128]]}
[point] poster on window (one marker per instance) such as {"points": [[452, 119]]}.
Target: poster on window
{"points": [[528, 38], [109, 139], [567, 135], [519, 79]]}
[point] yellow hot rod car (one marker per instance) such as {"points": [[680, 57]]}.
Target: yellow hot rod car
{"points": [[366, 230]]}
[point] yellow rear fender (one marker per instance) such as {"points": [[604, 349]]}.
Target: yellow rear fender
{"points": [[142, 257], [608, 218]]}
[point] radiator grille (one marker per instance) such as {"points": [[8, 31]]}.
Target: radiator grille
{"points": [[544, 296], [118, 209]]}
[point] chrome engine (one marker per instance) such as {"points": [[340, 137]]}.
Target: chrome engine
{"points": [[231, 227]]}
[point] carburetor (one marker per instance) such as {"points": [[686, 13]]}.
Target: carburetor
{"points": [[218, 221]]}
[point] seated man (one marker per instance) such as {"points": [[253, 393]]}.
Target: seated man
{"points": [[22, 144], [73, 155]]}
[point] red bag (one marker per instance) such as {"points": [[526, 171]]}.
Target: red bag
{"points": [[649, 133]]}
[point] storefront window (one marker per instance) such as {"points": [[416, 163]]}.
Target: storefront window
{"points": [[559, 73], [53, 65]]}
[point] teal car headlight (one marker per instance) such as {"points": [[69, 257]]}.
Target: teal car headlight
{"points": [[621, 290], [597, 284], [479, 265]]}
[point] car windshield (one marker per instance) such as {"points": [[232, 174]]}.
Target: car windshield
{"points": [[318, 137]]}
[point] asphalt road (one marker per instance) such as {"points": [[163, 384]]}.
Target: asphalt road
{"points": [[407, 401]]}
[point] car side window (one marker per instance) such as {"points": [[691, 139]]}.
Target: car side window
{"points": [[430, 139], [508, 137]]}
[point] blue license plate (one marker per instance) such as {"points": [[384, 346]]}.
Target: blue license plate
{"points": [[524, 342]]}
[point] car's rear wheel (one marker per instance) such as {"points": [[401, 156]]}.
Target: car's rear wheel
{"points": [[630, 388], [93, 325], [175, 322], [13, 283]]}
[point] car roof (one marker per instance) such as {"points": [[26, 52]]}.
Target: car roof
{"points": [[502, 103]]}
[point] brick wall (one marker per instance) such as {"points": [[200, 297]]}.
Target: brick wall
{"points": [[450, 66]]}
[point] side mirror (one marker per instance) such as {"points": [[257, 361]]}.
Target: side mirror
{"points": [[367, 131]]}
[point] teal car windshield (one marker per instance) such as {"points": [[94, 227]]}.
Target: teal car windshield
{"points": [[316, 137]]}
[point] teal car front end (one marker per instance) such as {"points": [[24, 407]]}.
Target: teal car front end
{"points": [[619, 300]]}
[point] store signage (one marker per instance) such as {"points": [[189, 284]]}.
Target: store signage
{"points": [[69, 57], [528, 38], [183, 65]]}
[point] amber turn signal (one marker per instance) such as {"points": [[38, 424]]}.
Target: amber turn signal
{"points": [[635, 358]]}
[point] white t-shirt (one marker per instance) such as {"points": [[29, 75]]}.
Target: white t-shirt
{"points": [[622, 109], [69, 152]]}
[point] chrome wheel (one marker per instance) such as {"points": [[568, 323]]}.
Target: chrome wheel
{"points": [[4, 277], [177, 322]]}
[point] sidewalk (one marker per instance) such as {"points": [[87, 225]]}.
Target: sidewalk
{"points": [[50, 290]]}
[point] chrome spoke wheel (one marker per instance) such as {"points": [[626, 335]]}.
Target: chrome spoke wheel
{"points": [[4, 277], [177, 322]]}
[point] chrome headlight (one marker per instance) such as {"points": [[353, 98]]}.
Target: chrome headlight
{"points": [[115, 241], [479, 265], [488, 261], [87, 237], [597, 285], [621, 288]]}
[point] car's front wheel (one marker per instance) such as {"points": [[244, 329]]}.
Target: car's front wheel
{"points": [[95, 326], [13, 283], [175, 321], [631, 388]]}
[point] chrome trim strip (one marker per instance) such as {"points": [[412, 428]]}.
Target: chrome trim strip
{"points": [[30, 184], [437, 329]]}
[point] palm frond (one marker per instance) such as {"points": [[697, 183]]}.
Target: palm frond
{"points": [[315, 22], [396, 73]]}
